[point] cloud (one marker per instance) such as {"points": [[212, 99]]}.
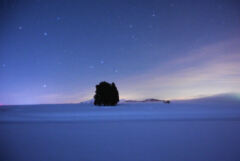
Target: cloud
{"points": [[209, 70]]}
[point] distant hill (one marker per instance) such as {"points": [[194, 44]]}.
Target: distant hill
{"points": [[145, 100], [133, 101], [91, 101], [220, 98]]}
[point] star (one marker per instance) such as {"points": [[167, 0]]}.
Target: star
{"points": [[133, 37], [220, 7], [172, 5], [44, 86], [45, 33], [153, 14], [19, 27], [102, 62]]}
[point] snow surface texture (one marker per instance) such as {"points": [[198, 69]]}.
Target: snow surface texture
{"points": [[127, 132]]}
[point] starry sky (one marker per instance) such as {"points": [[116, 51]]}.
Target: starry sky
{"points": [[57, 51]]}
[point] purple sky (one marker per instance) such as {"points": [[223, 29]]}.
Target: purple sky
{"points": [[57, 51]]}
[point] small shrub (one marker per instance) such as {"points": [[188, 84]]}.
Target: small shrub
{"points": [[166, 101]]}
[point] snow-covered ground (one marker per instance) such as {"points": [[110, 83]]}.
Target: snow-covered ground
{"points": [[127, 132]]}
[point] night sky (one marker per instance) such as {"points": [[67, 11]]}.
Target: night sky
{"points": [[57, 51]]}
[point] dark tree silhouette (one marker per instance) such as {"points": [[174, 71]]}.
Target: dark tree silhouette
{"points": [[106, 94], [115, 93]]}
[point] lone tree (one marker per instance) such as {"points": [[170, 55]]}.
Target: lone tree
{"points": [[106, 94]]}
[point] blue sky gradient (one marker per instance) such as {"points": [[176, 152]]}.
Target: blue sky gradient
{"points": [[57, 51]]}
